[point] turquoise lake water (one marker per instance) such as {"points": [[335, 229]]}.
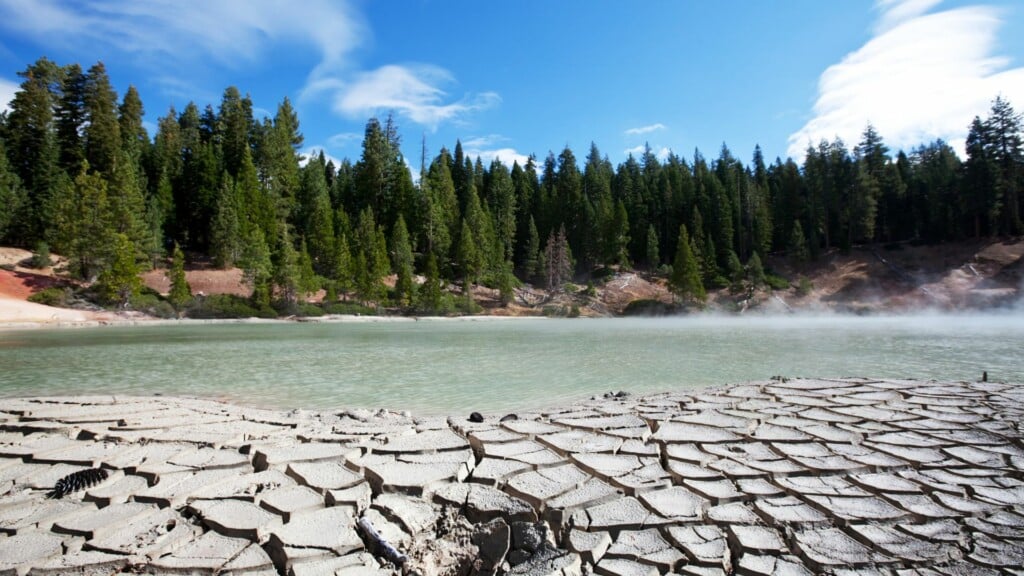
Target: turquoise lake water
{"points": [[440, 367]]}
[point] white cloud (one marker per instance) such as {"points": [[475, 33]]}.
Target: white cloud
{"points": [[921, 77], [638, 151], [412, 91], [232, 32], [342, 139], [645, 129], [171, 38], [489, 148], [7, 90], [310, 152]]}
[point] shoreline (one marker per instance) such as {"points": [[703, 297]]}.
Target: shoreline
{"points": [[799, 475]]}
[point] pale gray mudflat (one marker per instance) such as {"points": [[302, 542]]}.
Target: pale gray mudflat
{"points": [[784, 476]]}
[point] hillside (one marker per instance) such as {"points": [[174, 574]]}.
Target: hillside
{"points": [[873, 279]]}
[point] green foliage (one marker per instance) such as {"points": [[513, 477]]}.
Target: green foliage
{"points": [[149, 302], [181, 292], [256, 266], [776, 282], [77, 168], [41, 256], [804, 286], [120, 282], [755, 271], [350, 308], [653, 258], [52, 296], [402, 261], [430, 296], [228, 306], [685, 279]]}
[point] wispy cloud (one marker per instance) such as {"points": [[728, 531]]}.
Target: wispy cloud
{"points": [[412, 91], [165, 36], [231, 32], [922, 76], [7, 90], [343, 139], [645, 129]]}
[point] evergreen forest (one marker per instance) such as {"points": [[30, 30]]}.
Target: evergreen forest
{"points": [[80, 175]]}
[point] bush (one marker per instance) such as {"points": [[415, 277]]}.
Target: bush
{"points": [[227, 306], [149, 302], [804, 286], [574, 312], [52, 296], [776, 282], [649, 308], [590, 292], [310, 310], [352, 308], [41, 256]]}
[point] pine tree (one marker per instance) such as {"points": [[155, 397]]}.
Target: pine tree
{"points": [[287, 273], [309, 281], [12, 197], [797, 247], [402, 261], [755, 271], [468, 257], [506, 284], [102, 131], [181, 292], [734, 268], [70, 119], [120, 282], [531, 265], [558, 260], [257, 268], [342, 273], [32, 150], [81, 229], [430, 293], [653, 258], [225, 231], [685, 279]]}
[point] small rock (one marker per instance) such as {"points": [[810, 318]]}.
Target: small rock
{"points": [[476, 417], [529, 536], [492, 540], [509, 418]]}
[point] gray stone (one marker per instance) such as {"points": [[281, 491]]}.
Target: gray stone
{"points": [[431, 441], [357, 497], [707, 544], [323, 476], [291, 499], [538, 486], [492, 540], [683, 432], [24, 550], [830, 547], [647, 547], [314, 534], [622, 567], [83, 562], [590, 545], [178, 488], [147, 535], [278, 456], [206, 554], [235, 518], [676, 503], [101, 521], [622, 514], [757, 539], [415, 514]]}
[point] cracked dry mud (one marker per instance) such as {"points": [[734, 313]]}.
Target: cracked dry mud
{"points": [[777, 477]]}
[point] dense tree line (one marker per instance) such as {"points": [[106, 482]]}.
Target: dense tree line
{"points": [[79, 172]]}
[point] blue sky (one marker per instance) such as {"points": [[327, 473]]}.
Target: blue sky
{"points": [[511, 79]]}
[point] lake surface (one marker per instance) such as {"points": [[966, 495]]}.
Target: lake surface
{"points": [[438, 366]]}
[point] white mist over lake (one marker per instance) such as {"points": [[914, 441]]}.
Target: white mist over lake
{"points": [[456, 367]]}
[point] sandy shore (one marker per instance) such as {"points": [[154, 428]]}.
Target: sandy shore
{"points": [[783, 476]]}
